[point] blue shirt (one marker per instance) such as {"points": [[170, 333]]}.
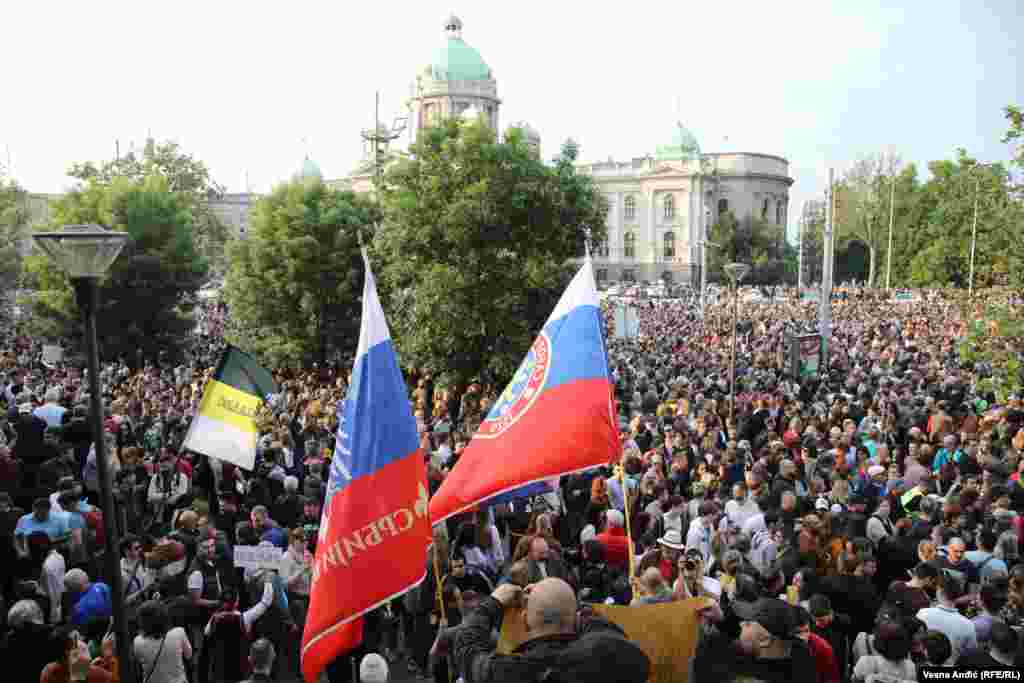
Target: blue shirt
{"points": [[56, 526], [93, 604], [993, 566], [277, 536]]}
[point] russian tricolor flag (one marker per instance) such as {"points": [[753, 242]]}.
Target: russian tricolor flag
{"points": [[555, 417], [375, 531]]}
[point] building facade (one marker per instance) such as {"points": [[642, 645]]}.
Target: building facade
{"points": [[660, 206]]}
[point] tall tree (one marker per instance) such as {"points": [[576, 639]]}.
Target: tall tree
{"points": [[14, 219], [144, 307], [751, 241], [950, 197], [863, 210], [474, 246], [1015, 134], [294, 285], [184, 174]]}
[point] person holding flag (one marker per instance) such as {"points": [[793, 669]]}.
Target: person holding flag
{"points": [[374, 532]]}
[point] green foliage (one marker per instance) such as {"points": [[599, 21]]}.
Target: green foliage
{"points": [[14, 220], [474, 247], [994, 337], [1015, 134], [756, 242], [185, 176], [294, 286], [943, 241], [143, 299]]}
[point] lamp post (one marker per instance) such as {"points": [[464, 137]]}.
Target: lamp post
{"points": [[735, 272], [84, 253]]}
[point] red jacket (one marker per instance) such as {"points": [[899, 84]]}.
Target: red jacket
{"points": [[616, 546], [824, 659]]}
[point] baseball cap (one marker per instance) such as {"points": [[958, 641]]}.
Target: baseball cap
{"points": [[821, 504], [776, 616]]}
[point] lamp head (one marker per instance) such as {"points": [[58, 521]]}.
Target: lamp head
{"points": [[82, 251]]}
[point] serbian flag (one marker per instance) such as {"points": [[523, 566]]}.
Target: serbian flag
{"points": [[555, 417], [375, 531]]}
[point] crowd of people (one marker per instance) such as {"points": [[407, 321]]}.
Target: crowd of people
{"points": [[851, 526]]}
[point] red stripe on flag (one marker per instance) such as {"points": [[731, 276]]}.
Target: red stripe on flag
{"points": [[372, 548]]}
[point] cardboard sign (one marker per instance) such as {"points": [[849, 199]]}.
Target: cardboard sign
{"points": [[667, 633], [258, 557], [52, 353]]}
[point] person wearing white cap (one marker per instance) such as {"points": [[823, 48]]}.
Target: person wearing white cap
{"points": [[374, 669]]}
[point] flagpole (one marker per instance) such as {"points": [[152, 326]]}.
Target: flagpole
{"points": [[439, 580], [629, 532]]}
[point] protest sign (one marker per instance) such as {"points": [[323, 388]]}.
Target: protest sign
{"points": [[52, 354], [667, 633], [258, 557]]}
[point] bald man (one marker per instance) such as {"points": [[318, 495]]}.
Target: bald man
{"points": [[560, 640]]}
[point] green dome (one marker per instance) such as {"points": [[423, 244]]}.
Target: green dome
{"points": [[683, 146], [455, 60], [310, 170]]}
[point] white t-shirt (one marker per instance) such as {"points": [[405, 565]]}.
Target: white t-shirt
{"points": [[171, 666]]}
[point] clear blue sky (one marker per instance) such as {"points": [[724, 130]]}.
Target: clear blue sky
{"points": [[241, 84]]}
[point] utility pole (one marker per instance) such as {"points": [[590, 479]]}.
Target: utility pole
{"points": [[892, 218], [800, 254], [825, 302], [378, 134]]}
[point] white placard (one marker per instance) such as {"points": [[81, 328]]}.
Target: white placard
{"points": [[53, 353], [258, 557]]}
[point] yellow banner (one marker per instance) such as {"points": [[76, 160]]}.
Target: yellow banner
{"points": [[223, 403], [667, 633]]}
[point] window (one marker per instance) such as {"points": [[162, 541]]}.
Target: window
{"points": [[602, 249], [628, 276], [670, 207], [764, 210], [629, 245], [778, 213], [723, 206], [602, 274], [669, 240], [629, 209]]}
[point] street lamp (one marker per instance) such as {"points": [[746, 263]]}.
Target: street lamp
{"points": [[735, 272], [84, 253]]}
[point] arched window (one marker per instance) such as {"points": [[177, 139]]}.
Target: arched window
{"points": [[778, 213], [670, 207], [723, 206], [629, 245], [602, 274], [669, 241], [764, 210], [602, 249], [629, 208], [666, 277], [628, 276]]}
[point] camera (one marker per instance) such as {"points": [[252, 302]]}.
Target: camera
{"points": [[690, 565]]}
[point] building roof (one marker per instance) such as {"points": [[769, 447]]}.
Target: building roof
{"points": [[309, 170], [683, 146], [455, 60]]}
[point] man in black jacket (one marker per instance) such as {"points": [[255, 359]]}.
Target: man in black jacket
{"points": [[562, 644]]}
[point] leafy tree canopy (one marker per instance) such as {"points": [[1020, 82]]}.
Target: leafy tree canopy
{"points": [[752, 241], [184, 174], [144, 298], [294, 285], [14, 220], [475, 245]]}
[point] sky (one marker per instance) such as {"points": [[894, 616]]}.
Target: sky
{"points": [[251, 88]]}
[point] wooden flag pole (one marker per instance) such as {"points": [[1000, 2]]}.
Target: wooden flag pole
{"points": [[439, 580], [629, 531]]}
